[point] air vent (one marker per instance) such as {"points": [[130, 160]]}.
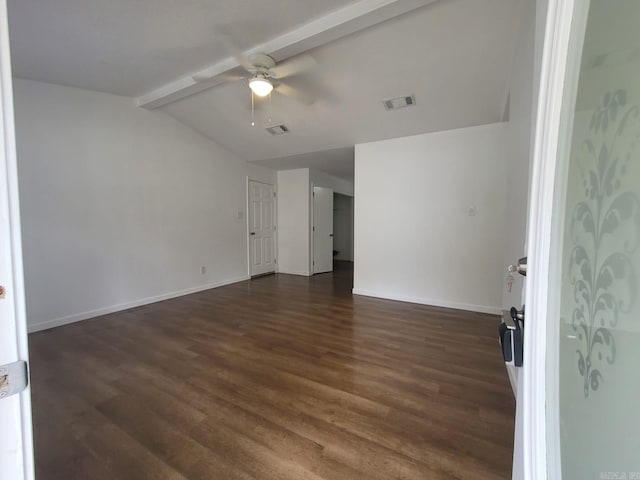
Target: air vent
{"points": [[399, 102], [277, 129]]}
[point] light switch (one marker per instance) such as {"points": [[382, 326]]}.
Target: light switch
{"points": [[471, 211], [240, 214]]}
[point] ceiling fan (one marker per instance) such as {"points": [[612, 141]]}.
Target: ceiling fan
{"points": [[265, 74]]}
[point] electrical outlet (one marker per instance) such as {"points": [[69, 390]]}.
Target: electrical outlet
{"points": [[203, 270]]}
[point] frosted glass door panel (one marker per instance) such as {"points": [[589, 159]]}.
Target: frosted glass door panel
{"points": [[597, 319]]}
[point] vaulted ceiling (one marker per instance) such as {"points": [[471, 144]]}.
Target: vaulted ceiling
{"points": [[453, 55]]}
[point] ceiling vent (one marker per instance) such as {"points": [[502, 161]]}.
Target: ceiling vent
{"points": [[277, 129], [399, 102]]}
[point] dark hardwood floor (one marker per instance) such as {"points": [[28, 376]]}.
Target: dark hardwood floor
{"points": [[280, 377]]}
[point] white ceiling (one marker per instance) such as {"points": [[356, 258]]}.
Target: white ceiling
{"points": [[338, 162], [454, 55], [129, 47]]}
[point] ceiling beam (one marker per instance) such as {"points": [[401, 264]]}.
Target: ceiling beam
{"points": [[335, 25]]}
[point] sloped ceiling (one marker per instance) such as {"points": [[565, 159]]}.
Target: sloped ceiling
{"points": [[130, 47], [454, 55]]}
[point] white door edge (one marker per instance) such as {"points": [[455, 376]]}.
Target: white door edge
{"points": [[247, 225], [311, 223], [320, 264], [534, 375], [11, 221]]}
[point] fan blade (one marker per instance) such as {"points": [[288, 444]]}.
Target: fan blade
{"points": [[218, 78], [296, 94], [294, 66], [236, 52]]}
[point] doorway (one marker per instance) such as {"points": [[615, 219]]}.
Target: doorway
{"points": [[322, 230], [342, 228]]}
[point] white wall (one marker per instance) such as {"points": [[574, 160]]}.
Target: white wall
{"points": [[294, 216], [521, 117], [121, 206], [343, 226], [413, 238]]}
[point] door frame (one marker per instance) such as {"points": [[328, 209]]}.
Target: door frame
{"points": [[540, 447], [248, 224], [15, 340], [312, 246]]}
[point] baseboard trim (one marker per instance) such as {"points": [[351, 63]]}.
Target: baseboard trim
{"points": [[259, 275], [58, 322], [429, 301], [304, 274]]}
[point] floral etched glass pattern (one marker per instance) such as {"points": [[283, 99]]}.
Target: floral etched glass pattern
{"points": [[602, 235], [599, 262]]}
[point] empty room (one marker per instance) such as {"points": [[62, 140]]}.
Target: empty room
{"points": [[295, 239]]}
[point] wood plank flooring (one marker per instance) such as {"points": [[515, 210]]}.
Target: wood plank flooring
{"points": [[281, 377]]}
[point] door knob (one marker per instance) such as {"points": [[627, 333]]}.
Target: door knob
{"points": [[520, 267], [253, 233], [331, 234]]}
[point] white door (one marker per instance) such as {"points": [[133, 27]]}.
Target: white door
{"points": [[262, 228], [322, 230], [581, 392], [16, 448]]}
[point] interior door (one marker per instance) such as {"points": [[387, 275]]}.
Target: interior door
{"points": [[16, 448], [322, 230], [262, 228], [586, 292]]}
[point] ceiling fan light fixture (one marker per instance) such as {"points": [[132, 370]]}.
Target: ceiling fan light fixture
{"points": [[260, 85]]}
